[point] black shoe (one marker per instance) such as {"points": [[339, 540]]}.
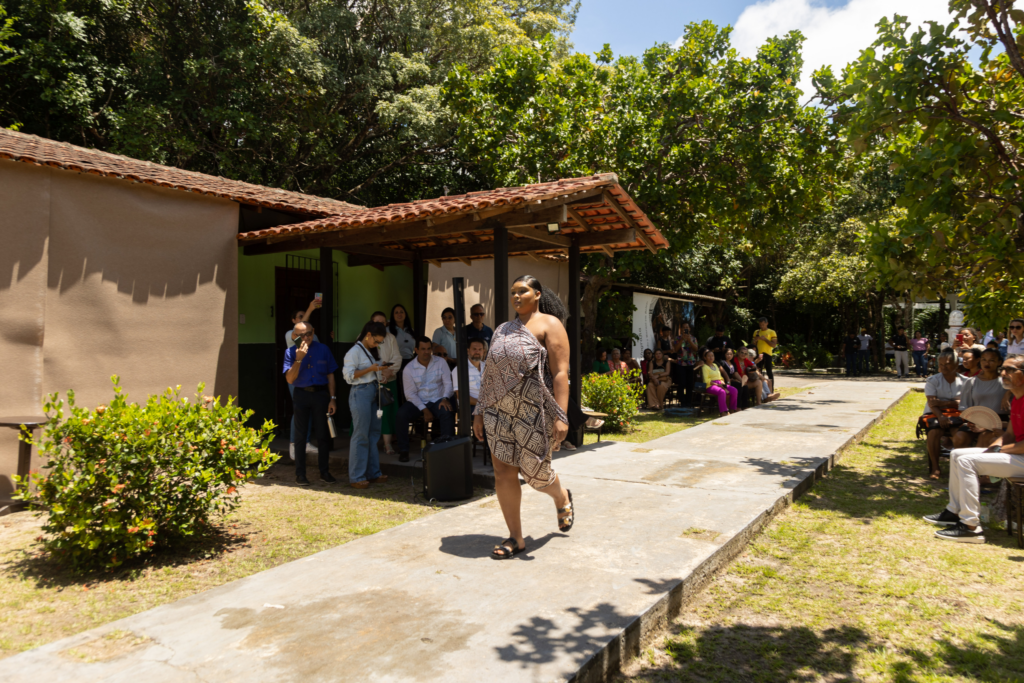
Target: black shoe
{"points": [[301, 481], [403, 456], [327, 478], [944, 518], [961, 534]]}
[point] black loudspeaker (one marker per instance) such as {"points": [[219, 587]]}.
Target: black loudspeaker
{"points": [[448, 469]]}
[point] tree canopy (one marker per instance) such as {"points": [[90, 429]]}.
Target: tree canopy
{"points": [[706, 141], [333, 98], [953, 127]]}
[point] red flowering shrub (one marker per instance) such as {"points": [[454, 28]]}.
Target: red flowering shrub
{"points": [[124, 479]]}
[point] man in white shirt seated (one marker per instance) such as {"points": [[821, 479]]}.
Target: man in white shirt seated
{"points": [[428, 384], [476, 371], [942, 391]]}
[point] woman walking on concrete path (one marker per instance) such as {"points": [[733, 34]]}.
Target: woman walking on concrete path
{"points": [[524, 394]]}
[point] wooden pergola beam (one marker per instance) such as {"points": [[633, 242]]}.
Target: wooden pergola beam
{"points": [[617, 208], [541, 235], [459, 251], [382, 252]]}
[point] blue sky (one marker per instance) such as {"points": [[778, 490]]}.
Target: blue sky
{"points": [[635, 25], [835, 30]]}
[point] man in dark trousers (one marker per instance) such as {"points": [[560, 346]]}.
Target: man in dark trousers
{"points": [[850, 347], [901, 345], [309, 366]]}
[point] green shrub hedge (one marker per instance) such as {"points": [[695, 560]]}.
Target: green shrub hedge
{"points": [[614, 395], [125, 479]]}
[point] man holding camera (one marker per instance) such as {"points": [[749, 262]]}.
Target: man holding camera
{"points": [[309, 366]]}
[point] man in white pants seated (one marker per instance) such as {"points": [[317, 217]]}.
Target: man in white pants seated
{"points": [[1004, 458]]}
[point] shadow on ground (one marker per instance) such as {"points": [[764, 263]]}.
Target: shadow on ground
{"points": [[541, 641], [771, 653]]}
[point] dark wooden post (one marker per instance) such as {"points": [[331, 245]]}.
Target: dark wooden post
{"points": [[327, 289], [462, 360], [575, 352], [419, 295], [501, 282]]}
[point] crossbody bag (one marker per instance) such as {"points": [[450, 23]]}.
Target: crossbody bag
{"points": [[384, 397]]}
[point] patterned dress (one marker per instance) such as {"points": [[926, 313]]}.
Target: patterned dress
{"points": [[517, 405]]}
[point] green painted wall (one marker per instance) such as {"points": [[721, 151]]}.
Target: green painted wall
{"points": [[361, 291]]}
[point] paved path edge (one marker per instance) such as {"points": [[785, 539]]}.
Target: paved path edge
{"points": [[652, 624]]}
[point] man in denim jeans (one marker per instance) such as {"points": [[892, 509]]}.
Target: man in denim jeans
{"points": [[428, 384]]}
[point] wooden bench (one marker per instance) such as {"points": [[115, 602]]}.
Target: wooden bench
{"points": [[25, 425], [596, 430]]}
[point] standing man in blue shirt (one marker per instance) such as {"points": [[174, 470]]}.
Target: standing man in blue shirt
{"points": [[309, 366], [476, 329]]}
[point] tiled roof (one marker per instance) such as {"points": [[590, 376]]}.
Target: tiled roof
{"points": [[43, 152], [597, 214]]}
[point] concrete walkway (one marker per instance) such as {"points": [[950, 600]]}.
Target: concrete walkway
{"points": [[424, 602]]}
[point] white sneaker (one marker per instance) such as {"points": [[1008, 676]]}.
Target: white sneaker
{"points": [[291, 450]]}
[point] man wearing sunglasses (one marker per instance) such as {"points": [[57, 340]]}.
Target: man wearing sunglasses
{"points": [[309, 366], [1004, 458], [476, 329], [1015, 342]]}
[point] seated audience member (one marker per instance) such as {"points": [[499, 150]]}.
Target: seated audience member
{"points": [[476, 370], [601, 364], [427, 381], [984, 389], [746, 367], [1015, 340], [969, 362], [942, 392], [731, 373], [445, 335], [1004, 458], [716, 385], [971, 340], [645, 363], [631, 364], [660, 380], [441, 352], [615, 365]]}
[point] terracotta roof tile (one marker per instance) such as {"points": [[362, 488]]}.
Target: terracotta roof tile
{"points": [[43, 152]]}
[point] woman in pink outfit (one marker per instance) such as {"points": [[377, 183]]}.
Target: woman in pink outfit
{"points": [[716, 384]]}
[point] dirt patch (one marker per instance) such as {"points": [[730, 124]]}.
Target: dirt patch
{"points": [[330, 639]]}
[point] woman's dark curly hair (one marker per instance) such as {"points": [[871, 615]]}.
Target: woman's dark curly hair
{"points": [[548, 301]]}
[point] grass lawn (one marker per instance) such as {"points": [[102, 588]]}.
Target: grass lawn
{"points": [[850, 584], [277, 522], [654, 425]]}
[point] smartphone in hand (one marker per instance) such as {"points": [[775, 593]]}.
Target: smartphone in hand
{"points": [[318, 297]]}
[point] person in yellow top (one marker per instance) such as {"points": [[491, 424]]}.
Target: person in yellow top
{"points": [[716, 386], [766, 341]]}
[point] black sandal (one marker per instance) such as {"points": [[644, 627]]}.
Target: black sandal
{"points": [[565, 523], [507, 548]]}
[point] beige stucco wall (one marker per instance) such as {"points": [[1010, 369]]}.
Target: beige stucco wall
{"points": [[480, 284], [101, 276]]}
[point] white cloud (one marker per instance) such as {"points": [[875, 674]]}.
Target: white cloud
{"points": [[834, 36]]}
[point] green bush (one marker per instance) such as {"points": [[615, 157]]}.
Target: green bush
{"points": [[809, 356], [126, 479], [614, 395]]}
